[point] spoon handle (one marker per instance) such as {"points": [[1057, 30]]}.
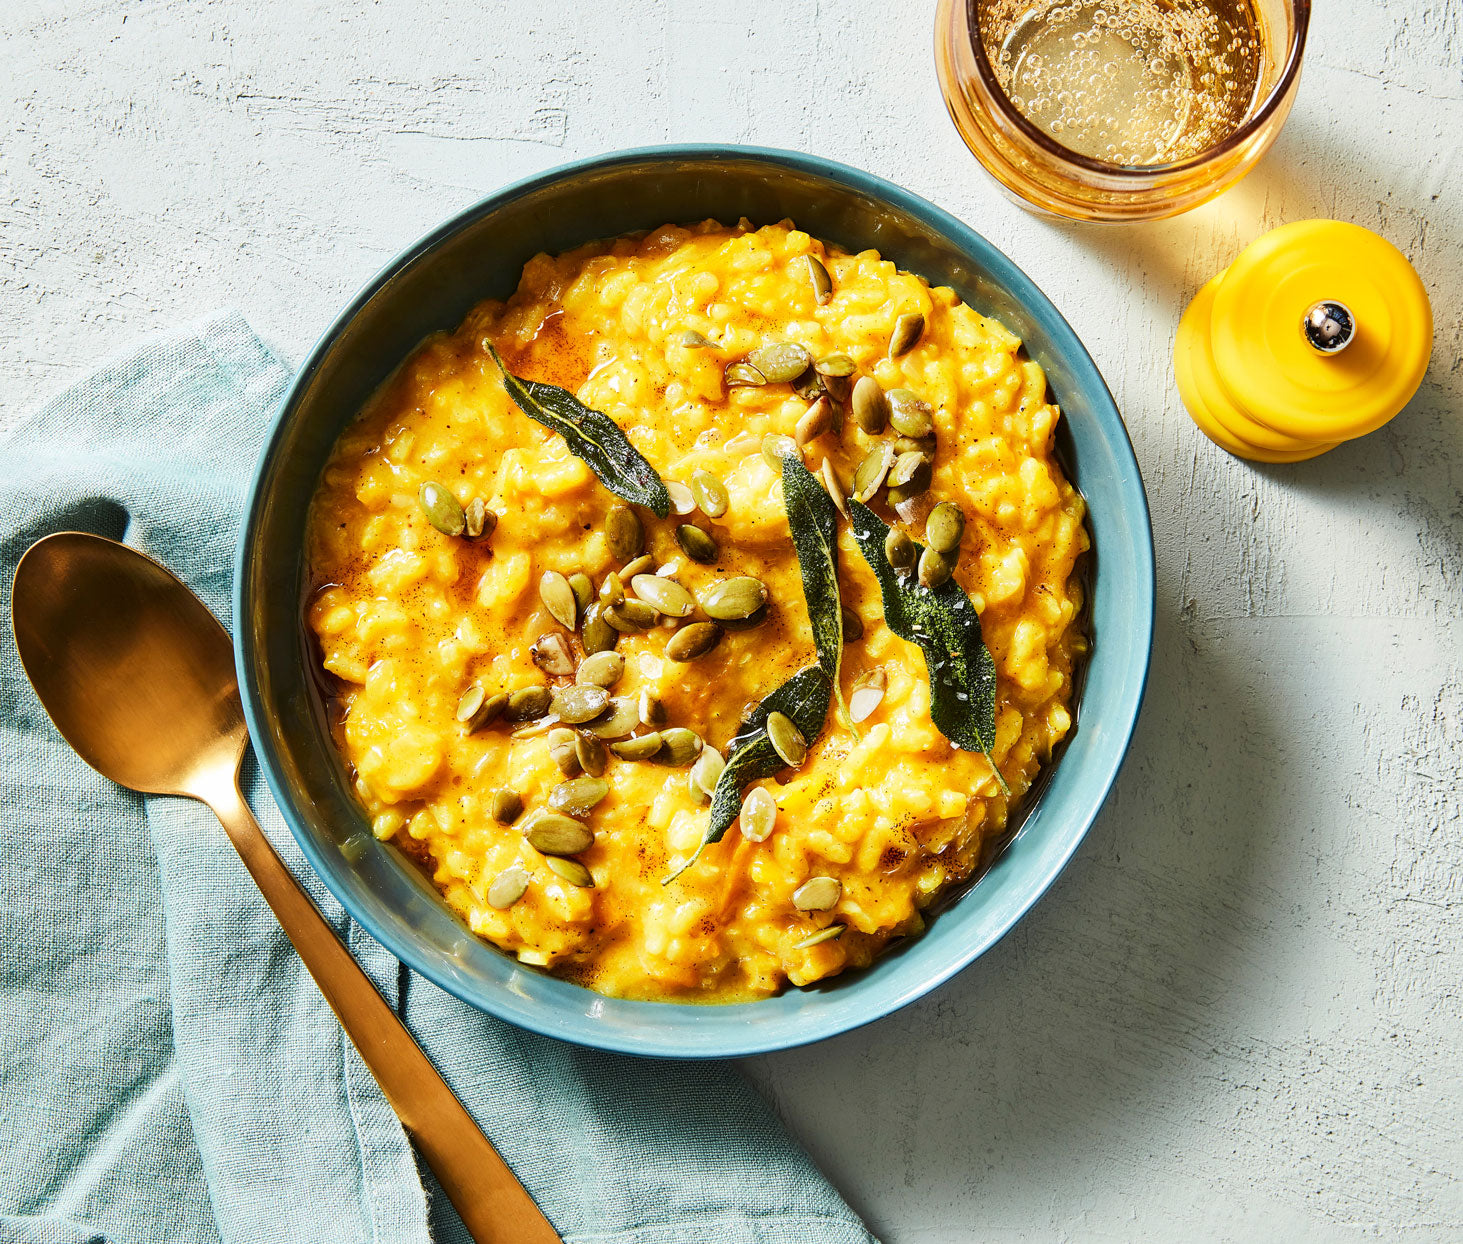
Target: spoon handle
{"points": [[493, 1205]]}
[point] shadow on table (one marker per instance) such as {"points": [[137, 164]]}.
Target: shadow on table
{"points": [[1407, 467], [1297, 180], [1100, 995]]}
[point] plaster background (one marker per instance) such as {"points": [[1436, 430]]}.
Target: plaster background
{"points": [[1238, 1013]]}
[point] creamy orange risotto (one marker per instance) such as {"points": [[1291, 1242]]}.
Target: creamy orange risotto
{"points": [[541, 725]]}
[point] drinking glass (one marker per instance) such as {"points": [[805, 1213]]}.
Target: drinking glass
{"points": [[1042, 174]]}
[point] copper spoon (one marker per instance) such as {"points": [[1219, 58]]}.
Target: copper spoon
{"points": [[138, 676]]}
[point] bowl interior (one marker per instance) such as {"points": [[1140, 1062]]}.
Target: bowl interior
{"points": [[480, 254]]}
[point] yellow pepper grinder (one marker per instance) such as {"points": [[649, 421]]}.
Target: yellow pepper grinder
{"points": [[1319, 332]]}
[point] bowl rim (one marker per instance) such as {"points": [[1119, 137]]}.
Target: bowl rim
{"points": [[748, 1040]]}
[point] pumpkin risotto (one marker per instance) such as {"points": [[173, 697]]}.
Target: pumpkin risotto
{"points": [[542, 726]]}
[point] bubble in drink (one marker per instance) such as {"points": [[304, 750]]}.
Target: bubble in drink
{"points": [[1133, 82]]}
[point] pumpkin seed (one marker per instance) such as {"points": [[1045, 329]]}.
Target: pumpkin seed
{"points": [[652, 711], [834, 486], [559, 599], [835, 365], [611, 590], [602, 669], [624, 532], [591, 754], [678, 746], [935, 568], [663, 595], [693, 641], [580, 702], [907, 330], [781, 361], [808, 386], [919, 472], [551, 654], [915, 444], [818, 894], [822, 935], [898, 549], [636, 565], [853, 625], [561, 748], [573, 872], [552, 833], [870, 406], [528, 703], [743, 376], [944, 527], [442, 509], [871, 472], [470, 701], [622, 716], [905, 468], [583, 588], [908, 415], [535, 728], [692, 340], [682, 499], [776, 447], [710, 493], [478, 520], [505, 805], [914, 510], [696, 544], [706, 771], [868, 694], [752, 620], [597, 635], [759, 815], [837, 371], [578, 796], [732, 599], [508, 887], [786, 739], [641, 747], [477, 709], [631, 616], [822, 282], [816, 420]]}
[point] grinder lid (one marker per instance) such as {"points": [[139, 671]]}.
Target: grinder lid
{"points": [[1319, 332]]}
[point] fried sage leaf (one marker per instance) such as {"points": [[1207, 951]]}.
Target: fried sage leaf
{"points": [[945, 625], [750, 755], [813, 519], [593, 436]]}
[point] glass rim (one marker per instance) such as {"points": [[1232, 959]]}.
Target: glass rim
{"points": [[1301, 14]]}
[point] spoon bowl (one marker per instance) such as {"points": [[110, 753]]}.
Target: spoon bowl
{"points": [[136, 673]]}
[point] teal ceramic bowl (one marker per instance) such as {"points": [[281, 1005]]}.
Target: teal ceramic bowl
{"points": [[479, 254]]}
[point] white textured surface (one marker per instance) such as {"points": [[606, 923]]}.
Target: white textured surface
{"points": [[1237, 1016]]}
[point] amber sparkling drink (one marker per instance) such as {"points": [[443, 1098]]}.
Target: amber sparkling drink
{"points": [[1119, 109]]}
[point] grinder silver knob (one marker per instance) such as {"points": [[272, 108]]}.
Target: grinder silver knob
{"points": [[1329, 326]]}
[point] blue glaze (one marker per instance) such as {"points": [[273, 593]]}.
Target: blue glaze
{"points": [[479, 254]]}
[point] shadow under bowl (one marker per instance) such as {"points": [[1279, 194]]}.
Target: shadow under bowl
{"points": [[480, 254]]}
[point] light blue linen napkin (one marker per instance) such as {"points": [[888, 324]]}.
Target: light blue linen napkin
{"points": [[168, 1071]]}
